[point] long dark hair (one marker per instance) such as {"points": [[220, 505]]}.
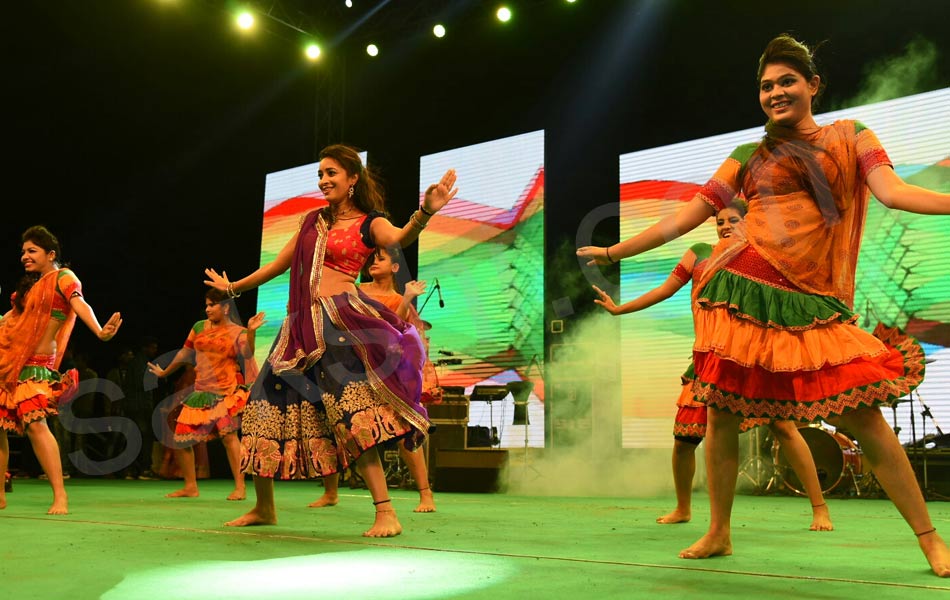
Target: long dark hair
{"points": [[44, 238], [367, 193], [785, 142]]}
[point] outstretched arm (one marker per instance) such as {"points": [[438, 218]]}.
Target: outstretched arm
{"points": [[654, 296], [86, 315], [691, 216], [894, 192], [259, 277], [183, 357], [437, 195]]}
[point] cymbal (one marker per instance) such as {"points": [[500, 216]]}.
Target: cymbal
{"points": [[426, 325]]}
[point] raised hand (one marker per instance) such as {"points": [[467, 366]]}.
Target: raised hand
{"points": [[439, 194], [606, 301], [218, 282], [414, 289], [111, 327], [256, 321]]}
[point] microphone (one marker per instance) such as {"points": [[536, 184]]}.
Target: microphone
{"points": [[438, 288], [446, 353]]}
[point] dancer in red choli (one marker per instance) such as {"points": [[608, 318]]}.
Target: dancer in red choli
{"points": [[345, 373]]}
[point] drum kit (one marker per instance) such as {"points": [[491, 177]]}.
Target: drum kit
{"points": [[839, 461]]}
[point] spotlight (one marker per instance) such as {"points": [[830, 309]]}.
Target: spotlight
{"points": [[372, 50], [245, 20], [503, 14], [349, 3], [571, 1], [439, 31], [312, 51]]}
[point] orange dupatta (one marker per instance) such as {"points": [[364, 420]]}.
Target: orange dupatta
{"points": [[21, 333]]}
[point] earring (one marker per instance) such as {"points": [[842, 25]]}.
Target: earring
{"points": [[351, 191]]}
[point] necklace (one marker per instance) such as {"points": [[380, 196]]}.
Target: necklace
{"points": [[340, 215]]}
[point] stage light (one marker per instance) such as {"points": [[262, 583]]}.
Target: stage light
{"points": [[312, 51], [439, 31], [245, 20], [571, 1], [349, 3], [503, 14], [372, 50]]}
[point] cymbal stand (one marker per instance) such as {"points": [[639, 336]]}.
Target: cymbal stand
{"points": [[928, 493], [755, 469]]}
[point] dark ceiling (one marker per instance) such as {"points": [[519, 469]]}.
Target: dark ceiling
{"points": [[140, 131]]}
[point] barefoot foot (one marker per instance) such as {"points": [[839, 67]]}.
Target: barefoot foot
{"points": [[60, 506], [385, 525], [426, 502], [324, 501], [254, 517], [677, 516], [821, 518], [709, 545], [936, 551], [237, 494], [184, 492]]}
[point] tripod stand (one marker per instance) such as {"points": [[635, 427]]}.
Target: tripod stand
{"points": [[759, 471], [925, 445]]}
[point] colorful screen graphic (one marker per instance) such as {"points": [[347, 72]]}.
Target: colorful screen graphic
{"points": [[288, 196], [903, 275], [486, 250]]}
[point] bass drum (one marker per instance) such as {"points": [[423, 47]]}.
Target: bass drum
{"points": [[836, 456]]}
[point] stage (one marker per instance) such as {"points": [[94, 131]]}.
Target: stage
{"points": [[123, 539]]}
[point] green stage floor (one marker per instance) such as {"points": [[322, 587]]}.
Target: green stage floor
{"points": [[124, 540]]}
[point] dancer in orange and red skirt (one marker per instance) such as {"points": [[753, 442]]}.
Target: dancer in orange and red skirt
{"points": [[775, 332], [223, 355], [33, 337]]}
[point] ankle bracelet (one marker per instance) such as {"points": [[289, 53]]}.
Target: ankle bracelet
{"points": [[377, 503], [929, 531], [819, 505], [423, 489]]}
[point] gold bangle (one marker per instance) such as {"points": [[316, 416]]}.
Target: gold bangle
{"points": [[414, 222]]}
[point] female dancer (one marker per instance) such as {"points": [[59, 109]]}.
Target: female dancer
{"points": [[223, 355], [383, 290], [33, 337], [689, 428], [344, 374], [775, 335]]}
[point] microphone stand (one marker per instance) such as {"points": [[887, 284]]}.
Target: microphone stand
{"points": [[429, 295]]}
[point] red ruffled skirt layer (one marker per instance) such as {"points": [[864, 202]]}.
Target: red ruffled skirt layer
{"points": [[793, 365], [36, 395], [205, 423]]}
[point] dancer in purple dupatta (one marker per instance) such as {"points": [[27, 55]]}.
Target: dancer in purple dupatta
{"points": [[345, 373]]}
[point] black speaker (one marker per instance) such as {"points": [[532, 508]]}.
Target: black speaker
{"points": [[480, 471]]}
